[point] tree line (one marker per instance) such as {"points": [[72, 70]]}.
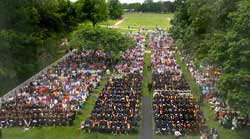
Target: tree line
{"points": [[150, 6], [31, 30], [217, 33]]}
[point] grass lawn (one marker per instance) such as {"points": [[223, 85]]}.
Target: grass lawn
{"points": [[208, 112], [110, 22], [136, 20], [146, 20]]}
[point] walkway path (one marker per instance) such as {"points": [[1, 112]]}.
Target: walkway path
{"points": [[147, 111], [147, 131], [117, 23]]}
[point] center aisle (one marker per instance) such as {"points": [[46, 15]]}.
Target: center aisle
{"points": [[147, 115], [147, 111]]}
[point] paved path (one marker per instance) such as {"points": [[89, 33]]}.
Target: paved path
{"points": [[147, 114], [118, 23]]}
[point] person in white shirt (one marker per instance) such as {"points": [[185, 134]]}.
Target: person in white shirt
{"points": [[177, 134], [108, 72]]}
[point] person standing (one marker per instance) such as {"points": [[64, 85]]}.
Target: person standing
{"points": [[234, 123]]}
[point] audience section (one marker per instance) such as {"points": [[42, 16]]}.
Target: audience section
{"points": [[175, 110], [55, 96], [116, 110]]}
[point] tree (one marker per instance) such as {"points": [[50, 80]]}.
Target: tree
{"points": [[98, 38], [150, 6], [235, 89], [217, 33], [94, 11], [68, 14], [235, 82], [148, 1], [224, 8], [27, 33], [30, 31], [115, 9]]}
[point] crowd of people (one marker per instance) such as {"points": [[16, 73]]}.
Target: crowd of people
{"points": [[117, 107], [132, 59], [207, 79], [116, 110], [175, 112], [175, 109], [54, 97]]}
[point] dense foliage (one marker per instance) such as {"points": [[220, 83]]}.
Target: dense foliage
{"points": [[26, 36], [94, 11], [115, 9], [110, 41], [31, 30], [150, 6], [217, 33]]}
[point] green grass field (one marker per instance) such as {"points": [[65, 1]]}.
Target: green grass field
{"points": [[146, 20], [110, 22], [134, 21]]}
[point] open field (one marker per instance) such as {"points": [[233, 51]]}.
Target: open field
{"points": [[110, 22], [146, 20], [133, 21]]}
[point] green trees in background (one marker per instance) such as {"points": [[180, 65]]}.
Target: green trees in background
{"points": [[150, 6], [115, 9], [217, 33], [94, 11], [132, 6]]}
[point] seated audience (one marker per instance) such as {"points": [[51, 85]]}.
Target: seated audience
{"points": [[116, 110], [54, 97]]}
